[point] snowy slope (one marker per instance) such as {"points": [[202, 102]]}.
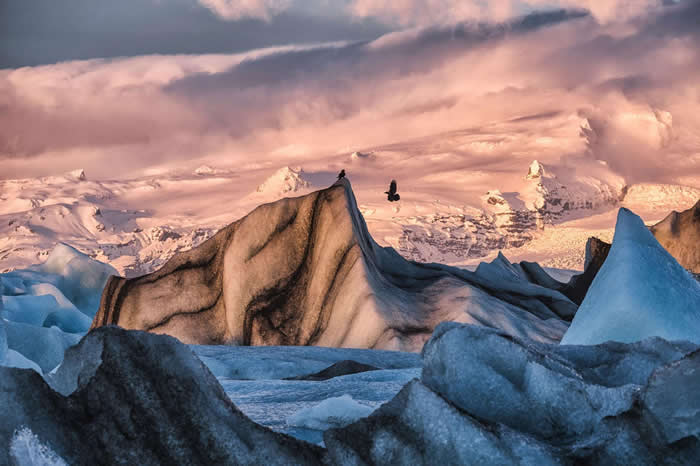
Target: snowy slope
{"points": [[641, 291], [95, 217], [506, 220]]}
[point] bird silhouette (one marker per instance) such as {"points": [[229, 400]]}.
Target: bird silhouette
{"points": [[392, 195], [341, 174]]}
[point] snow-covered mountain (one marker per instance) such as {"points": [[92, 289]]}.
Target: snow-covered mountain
{"points": [[284, 182], [510, 219], [36, 214], [136, 225]]}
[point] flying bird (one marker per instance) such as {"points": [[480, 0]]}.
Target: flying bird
{"points": [[392, 195], [341, 174]]}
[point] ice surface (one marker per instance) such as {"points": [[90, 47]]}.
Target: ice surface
{"points": [[419, 427], [3, 340], [673, 400], [281, 362], [15, 359], [346, 290], [252, 377], [641, 291], [28, 309], [483, 397], [48, 307], [331, 412], [82, 278], [506, 381], [44, 346], [27, 450], [65, 316], [148, 400], [11, 286]]}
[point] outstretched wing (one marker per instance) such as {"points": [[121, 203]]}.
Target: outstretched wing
{"points": [[392, 187]]}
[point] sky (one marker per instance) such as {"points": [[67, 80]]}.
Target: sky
{"points": [[121, 87]]}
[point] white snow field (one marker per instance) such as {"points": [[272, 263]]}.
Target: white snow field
{"points": [[641, 291], [457, 213]]}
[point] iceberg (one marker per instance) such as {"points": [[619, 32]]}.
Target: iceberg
{"points": [[305, 271], [641, 291]]}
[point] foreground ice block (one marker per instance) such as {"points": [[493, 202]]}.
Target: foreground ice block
{"points": [[641, 291], [488, 398], [137, 398]]}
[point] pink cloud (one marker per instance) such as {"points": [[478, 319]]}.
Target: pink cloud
{"points": [[624, 95]]}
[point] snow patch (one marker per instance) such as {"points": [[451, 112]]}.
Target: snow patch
{"points": [[27, 450]]}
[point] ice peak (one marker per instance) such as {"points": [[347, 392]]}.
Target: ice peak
{"points": [[536, 170], [630, 226]]}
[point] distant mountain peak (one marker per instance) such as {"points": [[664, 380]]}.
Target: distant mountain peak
{"points": [[285, 180], [78, 174], [535, 171]]}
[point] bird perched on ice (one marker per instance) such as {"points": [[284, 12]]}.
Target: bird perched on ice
{"points": [[341, 174], [392, 195]]}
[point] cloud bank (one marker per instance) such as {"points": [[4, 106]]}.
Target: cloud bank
{"points": [[237, 9], [555, 86], [435, 12]]}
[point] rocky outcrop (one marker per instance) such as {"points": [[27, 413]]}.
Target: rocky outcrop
{"points": [[487, 398], [596, 253], [338, 369], [136, 398], [679, 234], [305, 271]]}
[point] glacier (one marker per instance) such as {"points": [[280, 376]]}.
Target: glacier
{"points": [[481, 397], [495, 392]]}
